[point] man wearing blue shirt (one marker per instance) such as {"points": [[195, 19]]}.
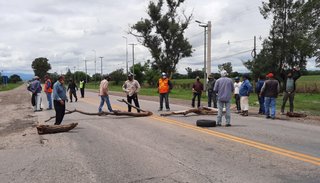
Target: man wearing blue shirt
{"points": [[59, 99], [244, 93]]}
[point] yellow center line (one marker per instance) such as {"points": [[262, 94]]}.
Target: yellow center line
{"points": [[251, 143]]}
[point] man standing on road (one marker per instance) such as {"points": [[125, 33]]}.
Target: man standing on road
{"points": [[237, 85], [212, 96], [103, 93], [244, 93], [131, 87], [197, 89], [164, 87], [59, 99], [270, 91], [289, 88], [82, 86], [224, 88], [259, 85], [73, 90], [36, 93], [48, 90]]}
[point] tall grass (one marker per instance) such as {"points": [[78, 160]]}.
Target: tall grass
{"points": [[10, 86]]}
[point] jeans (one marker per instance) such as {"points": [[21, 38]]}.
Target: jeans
{"points": [[60, 111], [105, 99], [287, 95], [261, 104], [270, 103], [212, 96], [164, 96], [82, 92], [237, 99], [134, 97], [194, 98], [220, 112], [49, 98]]}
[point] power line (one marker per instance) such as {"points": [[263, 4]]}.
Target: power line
{"points": [[227, 56]]}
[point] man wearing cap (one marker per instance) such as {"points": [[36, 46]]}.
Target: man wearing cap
{"points": [[164, 87], [270, 91], [131, 87], [59, 99], [224, 89], [212, 96], [289, 87], [237, 84], [36, 93], [48, 90], [244, 93], [103, 93], [259, 85], [197, 89]]}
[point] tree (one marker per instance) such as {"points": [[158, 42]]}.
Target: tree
{"points": [[117, 76], [68, 76], [80, 75], [96, 77], [225, 66], [40, 66], [14, 78], [163, 34], [139, 71]]}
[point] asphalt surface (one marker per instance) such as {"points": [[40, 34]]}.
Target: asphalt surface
{"points": [[165, 149]]}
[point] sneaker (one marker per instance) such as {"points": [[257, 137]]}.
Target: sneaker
{"points": [[268, 117], [228, 125], [49, 108], [219, 124], [168, 109], [282, 113], [273, 118], [159, 109]]}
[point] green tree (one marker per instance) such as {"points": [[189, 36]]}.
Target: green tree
{"points": [[163, 34], [80, 75], [40, 67], [225, 66], [118, 76], [96, 77], [139, 71], [68, 76], [14, 78]]}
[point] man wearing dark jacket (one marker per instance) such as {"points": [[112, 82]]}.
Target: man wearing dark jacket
{"points": [[73, 90], [197, 89], [270, 91], [259, 85], [289, 87]]}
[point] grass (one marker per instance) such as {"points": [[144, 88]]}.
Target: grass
{"points": [[10, 86], [304, 102]]}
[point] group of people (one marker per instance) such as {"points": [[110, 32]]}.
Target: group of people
{"points": [[220, 91]]}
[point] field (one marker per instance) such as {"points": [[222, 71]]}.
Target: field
{"points": [[304, 102], [9, 86]]}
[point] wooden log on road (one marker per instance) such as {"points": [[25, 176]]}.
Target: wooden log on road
{"points": [[199, 111], [297, 115], [48, 129]]}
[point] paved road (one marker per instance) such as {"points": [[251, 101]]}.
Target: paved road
{"points": [[167, 149]]}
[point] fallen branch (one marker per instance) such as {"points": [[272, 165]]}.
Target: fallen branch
{"points": [[47, 129], [122, 100], [199, 111], [294, 114], [115, 112]]}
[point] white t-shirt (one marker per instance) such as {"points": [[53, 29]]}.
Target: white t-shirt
{"points": [[237, 87]]}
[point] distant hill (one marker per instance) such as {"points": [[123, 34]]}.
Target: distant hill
{"points": [[23, 76]]}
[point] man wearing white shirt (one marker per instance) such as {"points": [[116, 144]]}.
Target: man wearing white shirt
{"points": [[132, 87], [237, 85]]}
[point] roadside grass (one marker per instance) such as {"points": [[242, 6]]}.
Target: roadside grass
{"points": [[10, 86], [303, 102]]}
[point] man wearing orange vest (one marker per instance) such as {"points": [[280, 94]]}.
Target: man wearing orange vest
{"points": [[48, 90], [164, 87]]}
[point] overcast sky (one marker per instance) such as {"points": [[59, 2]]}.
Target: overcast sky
{"points": [[67, 32]]}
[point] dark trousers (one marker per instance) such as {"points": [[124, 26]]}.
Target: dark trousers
{"points": [[194, 98], [82, 92], [287, 95], [60, 111], [237, 99], [134, 97], [74, 93], [212, 97], [164, 96], [261, 104]]}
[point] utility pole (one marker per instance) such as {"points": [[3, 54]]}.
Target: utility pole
{"points": [[209, 49], [126, 53], [85, 65], [254, 51], [205, 53], [133, 58], [95, 66], [101, 66]]}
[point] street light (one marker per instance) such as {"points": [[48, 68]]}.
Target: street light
{"points": [[133, 58], [95, 66], [201, 24], [101, 66], [126, 53]]}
